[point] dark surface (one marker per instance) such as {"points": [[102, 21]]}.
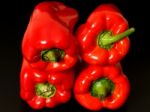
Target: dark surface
{"points": [[136, 65]]}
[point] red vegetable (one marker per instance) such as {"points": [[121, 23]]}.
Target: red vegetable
{"points": [[103, 38], [99, 87], [41, 89], [48, 42]]}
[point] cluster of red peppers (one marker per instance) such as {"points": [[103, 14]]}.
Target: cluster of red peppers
{"points": [[51, 52]]}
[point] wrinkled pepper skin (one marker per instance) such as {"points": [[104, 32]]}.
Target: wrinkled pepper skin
{"points": [[61, 81], [117, 96], [50, 27], [106, 17]]}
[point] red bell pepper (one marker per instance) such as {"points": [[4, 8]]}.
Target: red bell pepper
{"points": [[41, 89], [103, 38], [99, 87], [48, 42]]}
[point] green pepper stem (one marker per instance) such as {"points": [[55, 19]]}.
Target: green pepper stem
{"points": [[52, 55], [45, 90], [101, 88], [106, 38]]}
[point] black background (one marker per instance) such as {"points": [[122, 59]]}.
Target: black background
{"points": [[136, 65]]}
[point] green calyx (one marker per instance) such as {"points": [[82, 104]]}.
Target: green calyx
{"points": [[52, 55], [45, 90], [102, 88], [106, 38]]}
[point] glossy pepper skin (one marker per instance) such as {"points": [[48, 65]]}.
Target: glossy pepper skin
{"points": [[41, 89], [48, 42], [99, 87], [94, 36]]}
